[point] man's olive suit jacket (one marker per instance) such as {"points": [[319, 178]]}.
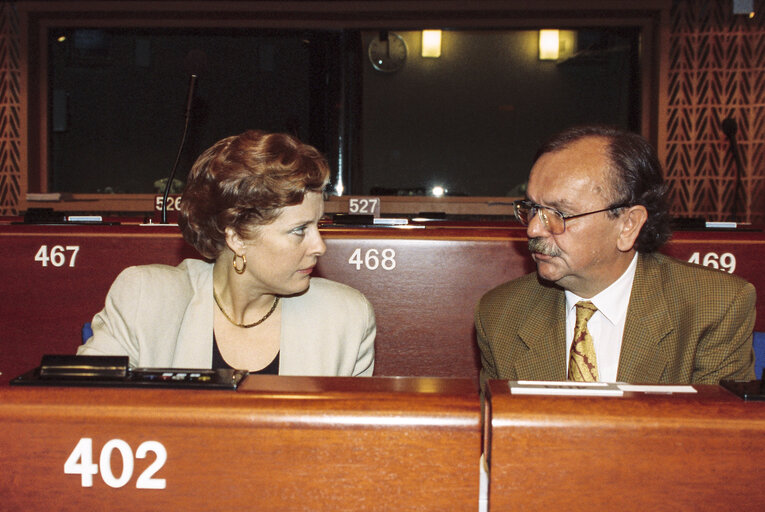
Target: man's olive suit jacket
{"points": [[685, 324]]}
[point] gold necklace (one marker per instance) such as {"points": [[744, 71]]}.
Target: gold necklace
{"points": [[246, 326]]}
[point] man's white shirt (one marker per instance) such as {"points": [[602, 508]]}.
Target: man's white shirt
{"points": [[607, 324]]}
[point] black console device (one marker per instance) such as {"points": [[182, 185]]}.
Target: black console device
{"points": [[114, 371]]}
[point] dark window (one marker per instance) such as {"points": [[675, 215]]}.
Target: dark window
{"points": [[469, 120]]}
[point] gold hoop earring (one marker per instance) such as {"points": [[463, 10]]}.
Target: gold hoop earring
{"points": [[244, 264]]}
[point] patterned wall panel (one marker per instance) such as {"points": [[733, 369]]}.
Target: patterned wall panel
{"points": [[716, 71], [10, 112]]}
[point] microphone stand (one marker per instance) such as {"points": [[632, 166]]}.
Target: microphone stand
{"points": [[729, 127], [189, 101]]}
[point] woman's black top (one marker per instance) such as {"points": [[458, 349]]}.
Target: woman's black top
{"points": [[219, 363]]}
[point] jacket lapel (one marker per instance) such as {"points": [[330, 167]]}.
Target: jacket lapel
{"points": [[646, 325], [195, 335], [545, 339]]}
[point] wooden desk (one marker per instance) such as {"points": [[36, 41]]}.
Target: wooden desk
{"points": [[278, 443], [641, 452], [423, 282]]}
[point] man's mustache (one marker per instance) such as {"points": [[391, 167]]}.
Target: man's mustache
{"points": [[540, 246]]}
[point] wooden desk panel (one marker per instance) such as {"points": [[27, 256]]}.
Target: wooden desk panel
{"points": [[640, 452], [424, 306], [278, 443], [45, 303], [423, 283]]}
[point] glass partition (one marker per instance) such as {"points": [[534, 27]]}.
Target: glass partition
{"points": [[390, 120]]}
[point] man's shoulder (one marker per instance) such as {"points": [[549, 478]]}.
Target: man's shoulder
{"points": [[677, 272], [529, 281], [521, 290]]}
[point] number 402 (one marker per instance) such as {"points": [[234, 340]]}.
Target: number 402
{"points": [[80, 462]]}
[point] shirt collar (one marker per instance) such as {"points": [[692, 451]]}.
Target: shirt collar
{"points": [[614, 300]]}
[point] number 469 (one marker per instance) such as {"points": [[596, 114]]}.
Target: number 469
{"points": [[725, 261]]}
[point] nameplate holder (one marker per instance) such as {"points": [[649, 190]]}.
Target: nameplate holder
{"points": [[173, 207], [750, 391], [364, 206]]}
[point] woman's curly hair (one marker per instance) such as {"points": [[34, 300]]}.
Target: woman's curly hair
{"points": [[244, 181]]}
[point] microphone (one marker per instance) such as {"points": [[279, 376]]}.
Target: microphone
{"points": [[729, 128], [195, 64], [196, 60], [190, 97]]}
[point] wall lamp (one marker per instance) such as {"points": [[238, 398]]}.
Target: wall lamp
{"points": [[549, 44], [431, 43]]}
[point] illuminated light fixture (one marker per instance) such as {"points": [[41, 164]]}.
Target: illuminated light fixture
{"points": [[438, 191], [745, 7], [61, 39], [431, 43], [549, 44]]}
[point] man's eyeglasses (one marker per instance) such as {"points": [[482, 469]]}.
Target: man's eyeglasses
{"points": [[553, 220]]}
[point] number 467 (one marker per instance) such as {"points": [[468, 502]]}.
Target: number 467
{"points": [[57, 256]]}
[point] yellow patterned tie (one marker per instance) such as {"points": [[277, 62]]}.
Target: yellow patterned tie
{"points": [[582, 364]]}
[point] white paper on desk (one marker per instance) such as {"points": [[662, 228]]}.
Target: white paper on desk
{"points": [[483, 486], [564, 388], [656, 388]]}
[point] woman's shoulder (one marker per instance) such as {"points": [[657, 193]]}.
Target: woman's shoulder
{"points": [[187, 272], [324, 291], [327, 286]]}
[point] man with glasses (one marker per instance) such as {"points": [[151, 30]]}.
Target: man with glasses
{"points": [[603, 305]]}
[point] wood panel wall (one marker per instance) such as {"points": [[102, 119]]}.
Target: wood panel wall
{"points": [[716, 70], [12, 181]]}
